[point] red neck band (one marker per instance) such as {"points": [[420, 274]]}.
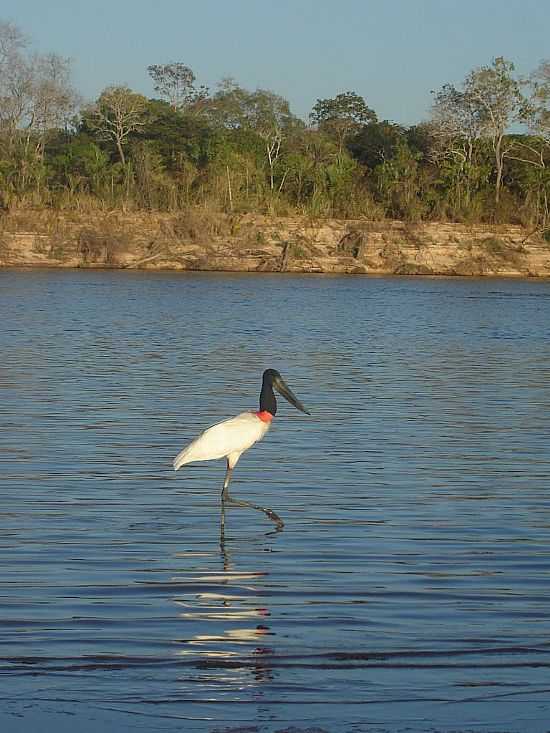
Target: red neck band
{"points": [[264, 415]]}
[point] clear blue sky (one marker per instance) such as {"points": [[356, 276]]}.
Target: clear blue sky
{"points": [[392, 52]]}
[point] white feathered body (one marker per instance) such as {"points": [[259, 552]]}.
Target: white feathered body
{"points": [[229, 438]]}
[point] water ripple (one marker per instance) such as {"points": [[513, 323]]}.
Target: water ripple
{"points": [[408, 589]]}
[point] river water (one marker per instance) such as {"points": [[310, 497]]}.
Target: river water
{"points": [[409, 588]]}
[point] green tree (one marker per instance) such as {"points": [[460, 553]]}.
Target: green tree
{"points": [[76, 163], [399, 184], [177, 136], [263, 112], [342, 116], [376, 143]]}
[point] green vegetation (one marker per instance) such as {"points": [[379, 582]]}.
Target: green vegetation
{"points": [[236, 150]]}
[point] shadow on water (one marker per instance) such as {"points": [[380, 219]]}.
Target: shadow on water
{"points": [[408, 589]]}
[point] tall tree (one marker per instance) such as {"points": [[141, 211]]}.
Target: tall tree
{"points": [[536, 148], [54, 98], [456, 127], [35, 91], [176, 83], [271, 118], [117, 114], [342, 116], [12, 44], [487, 104], [538, 111], [498, 101], [36, 97], [15, 81], [457, 122]]}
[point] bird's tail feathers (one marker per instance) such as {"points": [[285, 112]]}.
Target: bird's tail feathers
{"points": [[181, 459]]}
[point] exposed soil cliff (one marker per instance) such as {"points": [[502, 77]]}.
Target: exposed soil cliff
{"points": [[200, 241]]}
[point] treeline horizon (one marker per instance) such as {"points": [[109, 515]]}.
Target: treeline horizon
{"points": [[483, 156]]}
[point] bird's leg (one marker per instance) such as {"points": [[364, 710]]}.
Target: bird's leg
{"points": [[227, 479], [248, 505], [225, 497], [268, 512], [239, 502]]}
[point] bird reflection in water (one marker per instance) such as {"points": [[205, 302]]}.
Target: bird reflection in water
{"points": [[261, 655], [230, 654]]}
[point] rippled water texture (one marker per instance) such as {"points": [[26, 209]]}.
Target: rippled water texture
{"points": [[409, 588]]}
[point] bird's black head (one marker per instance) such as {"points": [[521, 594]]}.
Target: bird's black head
{"points": [[271, 379], [270, 375]]}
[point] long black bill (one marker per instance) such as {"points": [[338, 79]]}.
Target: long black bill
{"points": [[284, 390]]}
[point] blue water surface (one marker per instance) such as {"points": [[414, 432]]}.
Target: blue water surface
{"points": [[409, 588]]}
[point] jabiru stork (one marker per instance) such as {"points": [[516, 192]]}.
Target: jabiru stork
{"points": [[231, 438]]}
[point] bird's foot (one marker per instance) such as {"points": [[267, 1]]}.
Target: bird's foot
{"points": [[248, 505]]}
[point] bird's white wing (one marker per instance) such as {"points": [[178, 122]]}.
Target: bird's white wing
{"points": [[232, 436]]}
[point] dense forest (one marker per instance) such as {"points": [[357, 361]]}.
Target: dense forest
{"points": [[482, 156]]}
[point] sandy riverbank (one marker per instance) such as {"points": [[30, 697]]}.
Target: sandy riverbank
{"points": [[196, 240]]}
